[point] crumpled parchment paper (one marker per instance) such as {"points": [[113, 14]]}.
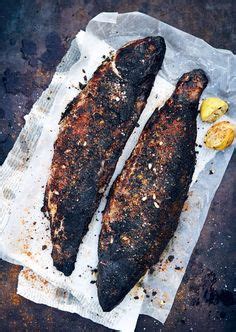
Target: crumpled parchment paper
{"points": [[24, 232]]}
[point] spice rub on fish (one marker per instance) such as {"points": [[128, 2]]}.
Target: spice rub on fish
{"points": [[146, 200], [92, 135]]}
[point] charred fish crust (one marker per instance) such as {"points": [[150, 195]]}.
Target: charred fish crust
{"points": [[92, 134], [130, 62], [145, 201], [109, 273], [69, 107], [191, 84]]}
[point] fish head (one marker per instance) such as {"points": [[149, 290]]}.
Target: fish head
{"points": [[140, 59], [191, 85]]}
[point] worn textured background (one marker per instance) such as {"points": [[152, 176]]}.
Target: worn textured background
{"points": [[34, 36]]}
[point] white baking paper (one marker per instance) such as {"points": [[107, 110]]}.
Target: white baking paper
{"points": [[24, 230]]}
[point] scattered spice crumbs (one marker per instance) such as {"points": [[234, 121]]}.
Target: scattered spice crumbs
{"points": [[82, 86], [171, 258], [178, 268]]}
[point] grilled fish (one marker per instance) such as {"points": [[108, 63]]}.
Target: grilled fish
{"points": [[92, 135], [146, 200]]}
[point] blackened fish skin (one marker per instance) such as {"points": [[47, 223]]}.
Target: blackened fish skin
{"points": [[147, 198], [92, 135]]}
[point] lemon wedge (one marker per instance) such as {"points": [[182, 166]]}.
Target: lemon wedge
{"points": [[220, 136], [212, 109]]}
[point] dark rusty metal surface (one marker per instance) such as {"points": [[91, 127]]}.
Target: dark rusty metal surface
{"points": [[34, 37]]}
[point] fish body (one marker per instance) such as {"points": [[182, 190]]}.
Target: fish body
{"points": [[92, 134], [145, 201]]}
